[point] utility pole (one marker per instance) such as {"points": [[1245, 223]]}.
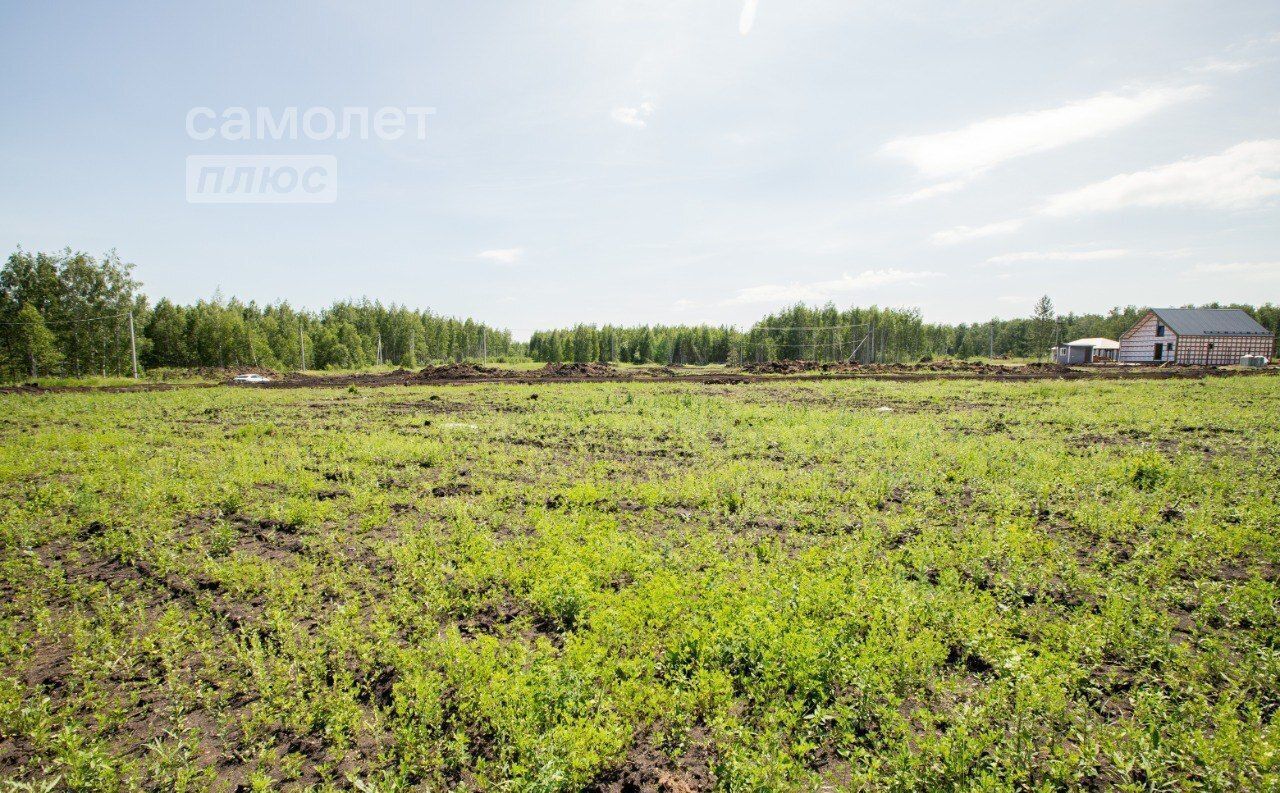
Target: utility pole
{"points": [[302, 350], [379, 349], [133, 346]]}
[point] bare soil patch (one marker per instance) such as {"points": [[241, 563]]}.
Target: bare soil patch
{"points": [[648, 769]]}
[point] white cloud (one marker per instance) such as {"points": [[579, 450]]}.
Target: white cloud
{"points": [[1253, 271], [507, 256], [964, 233], [1242, 177], [748, 18], [1259, 41], [984, 144], [1059, 256], [633, 116], [1217, 66], [932, 190], [818, 291]]}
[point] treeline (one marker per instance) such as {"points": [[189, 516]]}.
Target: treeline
{"points": [[1033, 336], [667, 344], [69, 313], [799, 332], [827, 333], [228, 333]]}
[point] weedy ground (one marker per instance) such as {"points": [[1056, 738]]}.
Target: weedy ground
{"points": [[675, 587]]}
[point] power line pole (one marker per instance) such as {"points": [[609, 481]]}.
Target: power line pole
{"points": [[302, 350], [379, 349], [133, 346]]}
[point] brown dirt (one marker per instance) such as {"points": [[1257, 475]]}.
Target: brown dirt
{"points": [[780, 367], [451, 374], [798, 367], [1049, 368], [461, 371], [648, 769], [578, 370]]}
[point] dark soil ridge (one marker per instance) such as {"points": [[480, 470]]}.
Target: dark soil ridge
{"points": [[775, 371]]}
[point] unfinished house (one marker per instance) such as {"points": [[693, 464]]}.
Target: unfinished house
{"points": [[1095, 350], [1195, 336]]}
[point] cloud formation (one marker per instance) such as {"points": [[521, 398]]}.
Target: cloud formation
{"points": [[1059, 256], [1219, 66], [820, 291], [1253, 271], [748, 18], [1245, 176], [633, 116], [941, 188], [957, 234], [1242, 177], [965, 152], [505, 256]]}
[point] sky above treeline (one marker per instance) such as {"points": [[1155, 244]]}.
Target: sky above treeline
{"points": [[662, 162]]}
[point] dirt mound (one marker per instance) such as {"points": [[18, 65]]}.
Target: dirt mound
{"points": [[461, 371], [797, 367], [577, 370], [954, 365], [1042, 367], [780, 367]]}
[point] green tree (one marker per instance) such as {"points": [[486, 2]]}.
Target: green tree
{"points": [[34, 341], [1044, 324]]}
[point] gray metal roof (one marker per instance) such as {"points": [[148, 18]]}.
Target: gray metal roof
{"points": [[1210, 322]]}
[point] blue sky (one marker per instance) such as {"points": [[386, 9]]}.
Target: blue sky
{"points": [[668, 161]]}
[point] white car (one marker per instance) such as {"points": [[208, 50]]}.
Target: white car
{"points": [[250, 378]]}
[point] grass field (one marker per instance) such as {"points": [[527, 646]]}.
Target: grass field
{"points": [[769, 586]]}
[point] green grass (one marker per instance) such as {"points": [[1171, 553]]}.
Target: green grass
{"points": [[172, 376], [776, 586], [90, 381]]}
